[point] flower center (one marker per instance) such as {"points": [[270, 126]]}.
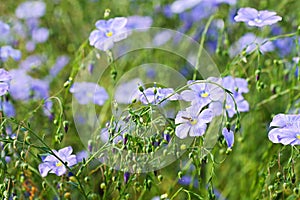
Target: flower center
{"points": [[109, 34], [257, 20], [227, 106], [298, 136], [204, 94], [58, 164], [193, 121]]}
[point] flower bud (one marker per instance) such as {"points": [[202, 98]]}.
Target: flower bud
{"points": [[126, 177], [66, 126], [67, 195]]}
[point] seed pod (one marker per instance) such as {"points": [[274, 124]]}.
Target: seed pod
{"points": [[141, 89], [103, 186], [67, 195], [160, 178], [180, 174]]}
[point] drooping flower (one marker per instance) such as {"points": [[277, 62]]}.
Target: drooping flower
{"points": [[108, 32], [192, 122], [126, 177], [52, 164], [229, 137], [154, 95], [285, 129], [88, 92], [8, 51], [31, 9], [257, 18], [5, 78], [249, 42]]}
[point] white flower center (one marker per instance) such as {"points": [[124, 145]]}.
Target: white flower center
{"points": [[257, 20]]}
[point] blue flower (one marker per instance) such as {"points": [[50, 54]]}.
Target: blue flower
{"points": [[192, 122], [242, 105], [4, 30], [40, 89], [127, 91], [285, 121], [81, 155], [201, 93], [235, 85], [180, 6], [87, 92], [5, 79], [257, 18], [238, 86], [40, 35], [8, 51], [139, 22], [108, 32], [119, 128], [32, 62], [51, 164], [229, 137], [31, 9], [154, 95], [8, 108], [20, 86], [285, 129], [60, 63], [249, 42]]}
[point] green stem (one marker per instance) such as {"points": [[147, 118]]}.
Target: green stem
{"points": [[202, 44]]}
